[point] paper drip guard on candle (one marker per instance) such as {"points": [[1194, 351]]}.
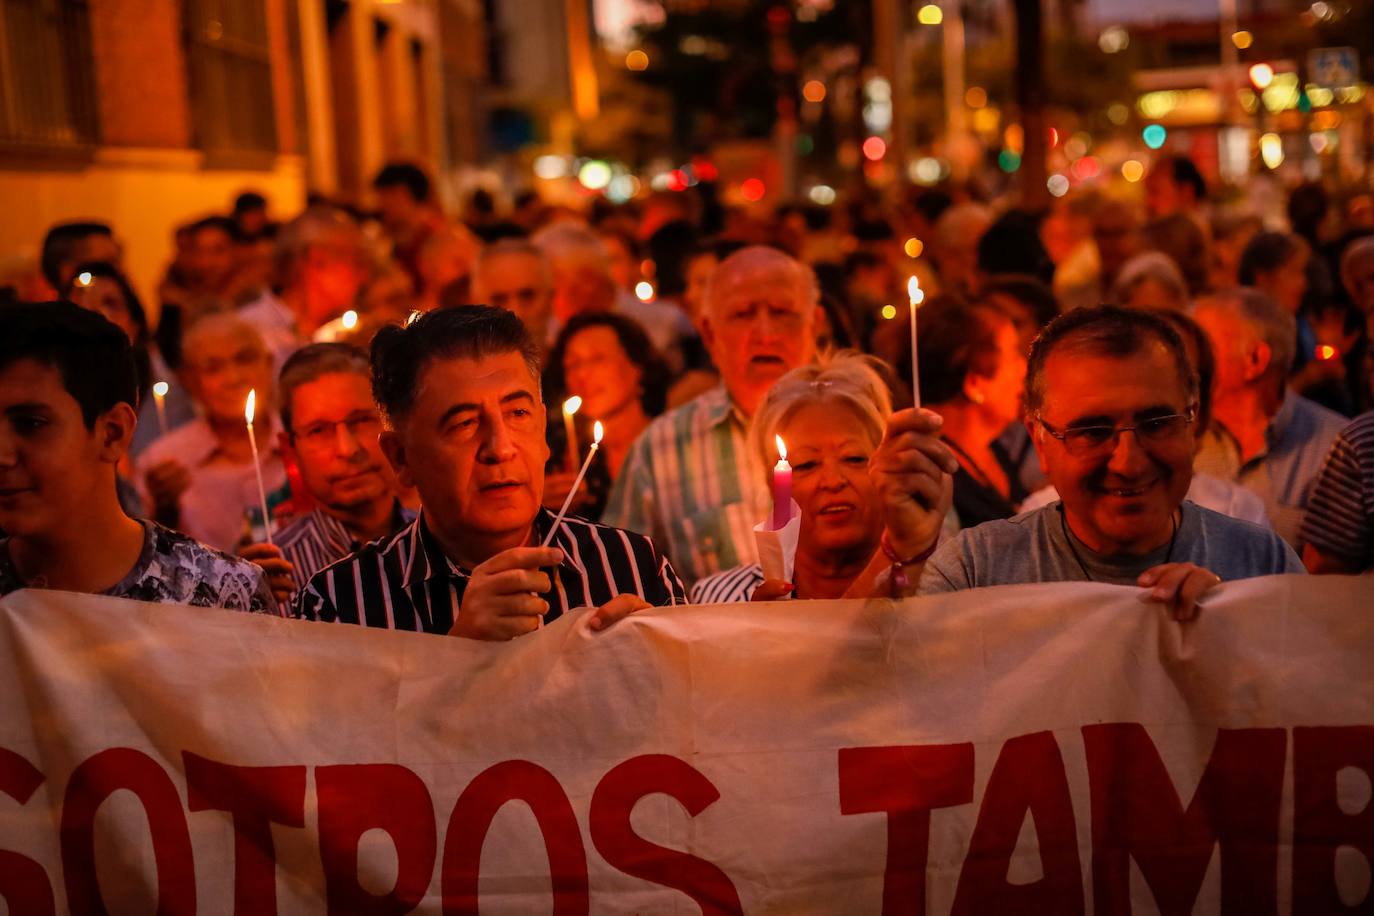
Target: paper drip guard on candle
{"points": [[597, 431]]}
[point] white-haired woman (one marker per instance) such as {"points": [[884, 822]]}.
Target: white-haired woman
{"points": [[833, 416]]}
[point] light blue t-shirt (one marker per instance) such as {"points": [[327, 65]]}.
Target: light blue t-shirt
{"points": [[1038, 546]]}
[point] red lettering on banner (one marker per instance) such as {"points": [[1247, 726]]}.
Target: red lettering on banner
{"points": [[1137, 814], [95, 780], [24, 884], [1319, 824], [356, 798], [1028, 778], [256, 797], [614, 800], [906, 783], [514, 780]]}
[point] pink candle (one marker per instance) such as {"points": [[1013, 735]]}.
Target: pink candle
{"points": [[782, 487]]}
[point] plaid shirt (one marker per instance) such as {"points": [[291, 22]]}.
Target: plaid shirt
{"points": [[406, 582], [692, 484]]}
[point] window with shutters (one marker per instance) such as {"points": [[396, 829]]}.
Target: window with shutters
{"points": [[47, 96], [230, 77]]}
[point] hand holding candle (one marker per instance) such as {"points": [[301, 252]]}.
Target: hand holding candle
{"points": [[782, 486], [917, 296], [248, 411], [571, 406], [597, 432], [160, 390]]}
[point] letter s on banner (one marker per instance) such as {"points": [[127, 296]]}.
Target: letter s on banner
{"points": [[514, 780], [24, 884], [1137, 814], [96, 779], [256, 797], [356, 798], [906, 783], [614, 800]]}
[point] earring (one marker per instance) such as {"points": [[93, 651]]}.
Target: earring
{"points": [[976, 397]]}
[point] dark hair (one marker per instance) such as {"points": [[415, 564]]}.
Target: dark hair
{"points": [[108, 271], [1185, 172], [309, 363], [249, 201], [1035, 295], [1107, 330], [400, 354], [1206, 363], [404, 175], [1264, 252], [219, 223], [1012, 246], [860, 259], [60, 243], [93, 356], [653, 371], [1182, 239], [954, 340]]}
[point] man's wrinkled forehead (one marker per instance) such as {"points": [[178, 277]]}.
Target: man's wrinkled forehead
{"points": [[766, 280], [467, 378], [1081, 378]]}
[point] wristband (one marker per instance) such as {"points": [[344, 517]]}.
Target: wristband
{"points": [[899, 565]]}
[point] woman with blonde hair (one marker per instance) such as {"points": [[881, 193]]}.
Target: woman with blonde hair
{"points": [[831, 415]]}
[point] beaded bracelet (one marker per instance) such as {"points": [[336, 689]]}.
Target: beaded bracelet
{"points": [[899, 565]]}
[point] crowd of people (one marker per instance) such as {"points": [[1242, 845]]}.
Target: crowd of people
{"points": [[1165, 392]]}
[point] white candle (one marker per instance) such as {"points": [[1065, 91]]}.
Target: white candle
{"points": [[160, 390], [917, 296], [591, 452], [257, 465], [571, 406]]}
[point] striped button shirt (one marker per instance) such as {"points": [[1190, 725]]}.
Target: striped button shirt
{"points": [[317, 539], [1340, 514], [1296, 442], [728, 587], [692, 484], [406, 582]]}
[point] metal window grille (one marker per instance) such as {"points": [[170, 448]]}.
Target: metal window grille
{"points": [[47, 95], [230, 76]]}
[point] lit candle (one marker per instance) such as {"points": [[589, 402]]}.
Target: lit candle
{"points": [[571, 406], [349, 320], [591, 452], [160, 390], [782, 487], [257, 465], [917, 296]]}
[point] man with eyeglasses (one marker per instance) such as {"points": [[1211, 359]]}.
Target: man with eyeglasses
{"points": [[1111, 400], [199, 478], [330, 427]]}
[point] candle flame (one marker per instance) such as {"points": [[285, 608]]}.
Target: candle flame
{"points": [[414, 317], [1326, 351], [248, 408], [349, 320], [572, 405], [782, 448], [597, 431], [161, 388], [84, 278], [914, 291]]}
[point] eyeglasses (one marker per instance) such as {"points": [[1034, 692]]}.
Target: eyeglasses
{"points": [[320, 436], [1084, 441]]}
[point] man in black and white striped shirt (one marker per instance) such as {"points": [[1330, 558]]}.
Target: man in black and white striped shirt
{"points": [[1338, 530], [460, 391]]}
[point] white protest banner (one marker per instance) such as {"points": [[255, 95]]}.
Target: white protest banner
{"points": [[1050, 749]]}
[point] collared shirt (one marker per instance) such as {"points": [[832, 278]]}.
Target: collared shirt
{"points": [[1340, 514], [692, 484], [316, 539], [221, 496], [728, 587], [407, 582], [174, 569], [1296, 442]]}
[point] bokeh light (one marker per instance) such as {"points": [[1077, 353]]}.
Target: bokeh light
{"points": [[874, 148], [637, 60], [930, 14], [1132, 170], [1154, 135], [814, 91], [914, 247]]}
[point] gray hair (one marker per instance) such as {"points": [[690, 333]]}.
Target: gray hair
{"points": [[307, 229], [310, 363], [851, 379], [572, 241], [1274, 324], [1150, 265], [804, 278], [956, 222]]}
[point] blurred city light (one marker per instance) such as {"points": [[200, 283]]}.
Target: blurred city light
{"points": [[1271, 150], [814, 91], [930, 14], [644, 290], [822, 194], [1132, 170], [637, 60], [594, 175], [1261, 75], [753, 189], [1154, 135], [874, 148], [1113, 39], [1008, 160], [914, 247], [1242, 39], [1058, 185], [550, 167], [889, 312], [976, 97]]}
